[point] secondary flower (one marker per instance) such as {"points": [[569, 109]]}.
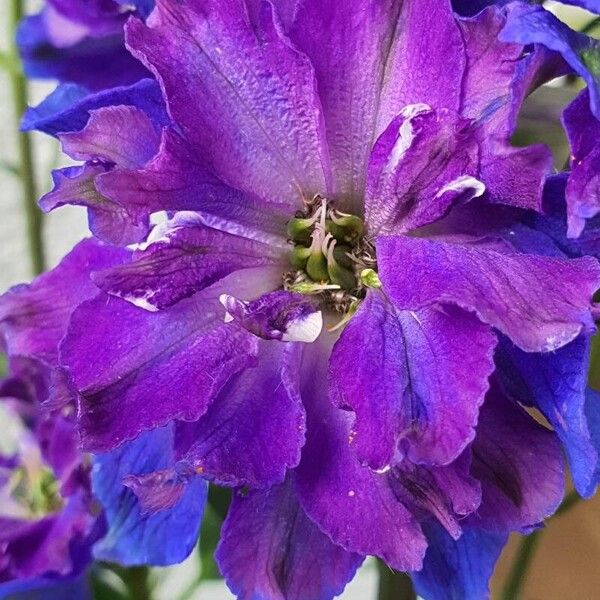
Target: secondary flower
{"points": [[81, 42], [318, 319], [60, 508]]}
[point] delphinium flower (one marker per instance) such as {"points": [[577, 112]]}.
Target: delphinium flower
{"points": [[341, 315], [81, 42], [60, 508]]}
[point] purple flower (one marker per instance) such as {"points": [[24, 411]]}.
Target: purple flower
{"points": [[355, 261], [60, 508], [49, 517], [80, 42]]}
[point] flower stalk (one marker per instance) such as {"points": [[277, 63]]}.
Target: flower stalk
{"points": [[26, 169], [394, 585]]}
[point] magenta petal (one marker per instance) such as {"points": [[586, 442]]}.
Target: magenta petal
{"points": [[424, 162], [355, 506], [123, 135], [108, 221], [520, 467], [34, 317], [178, 179], [136, 370], [222, 77], [184, 258], [270, 549], [540, 303], [255, 427], [583, 187], [415, 381]]}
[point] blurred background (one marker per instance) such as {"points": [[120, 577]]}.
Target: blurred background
{"points": [[564, 560]]}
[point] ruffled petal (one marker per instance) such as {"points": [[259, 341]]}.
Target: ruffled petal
{"points": [[222, 77], [365, 60], [583, 187], [519, 465], [353, 505], [34, 317], [123, 135], [556, 384], [422, 164], [415, 381], [255, 428], [177, 179], [107, 220], [68, 107], [540, 303], [280, 315], [270, 549], [136, 370], [532, 24], [183, 257], [446, 493]]}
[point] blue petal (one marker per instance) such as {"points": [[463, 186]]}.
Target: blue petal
{"points": [[46, 589], [556, 383], [469, 8], [68, 107], [162, 538], [534, 25], [461, 569], [96, 62]]}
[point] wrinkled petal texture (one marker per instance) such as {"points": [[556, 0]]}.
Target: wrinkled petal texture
{"points": [[353, 505], [271, 550], [273, 149], [415, 381], [255, 427], [583, 186], [540, 303], [136, 370]]}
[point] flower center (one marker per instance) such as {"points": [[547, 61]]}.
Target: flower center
{"points": [[331, 257], [35, 491]]}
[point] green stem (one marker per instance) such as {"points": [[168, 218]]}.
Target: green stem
{"points": [[136, 580], [513, 587], [570, 500], [394, 585], [26, 164]]}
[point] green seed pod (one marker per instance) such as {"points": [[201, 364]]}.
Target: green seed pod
{"points": [[299, 257], [351, 224], [339, 233], [341, 276], [316, 267], [299, 229], [340, 253]]}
